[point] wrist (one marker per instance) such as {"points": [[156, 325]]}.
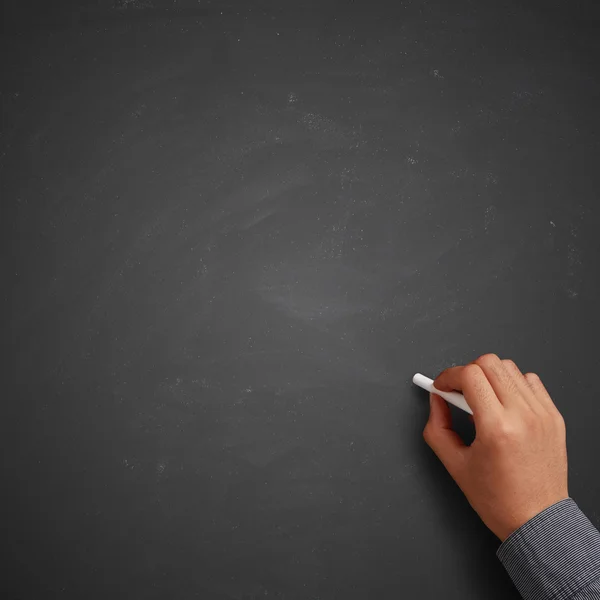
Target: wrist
{"points": [[526, 514]]}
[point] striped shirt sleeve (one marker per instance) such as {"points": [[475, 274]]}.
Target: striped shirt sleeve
{"points": [[555, 555]]}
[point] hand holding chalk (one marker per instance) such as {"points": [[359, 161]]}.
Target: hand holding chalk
{"points": [[517, 465], [454, 398]]}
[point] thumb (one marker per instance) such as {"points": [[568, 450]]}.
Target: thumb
{"points": [[440, 436]]}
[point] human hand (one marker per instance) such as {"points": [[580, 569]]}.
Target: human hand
{"points": [[517, 465]]}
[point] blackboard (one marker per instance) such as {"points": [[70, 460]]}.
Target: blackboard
{"points": [[232, 232]]}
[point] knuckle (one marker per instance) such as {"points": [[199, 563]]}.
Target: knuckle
{"points": [[487, 360], [560, 421], [427, 432], [532, 378], [531, 421], [428, 435], [471, 372], [507, 432], [509, 363]]}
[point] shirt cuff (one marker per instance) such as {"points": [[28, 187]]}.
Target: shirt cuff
{"points": [[554, 555]]}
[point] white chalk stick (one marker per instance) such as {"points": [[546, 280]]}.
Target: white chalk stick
{"points": [[454, 398]]}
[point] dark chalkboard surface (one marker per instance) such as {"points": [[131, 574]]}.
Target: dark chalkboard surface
{"points": [[233, 231]]}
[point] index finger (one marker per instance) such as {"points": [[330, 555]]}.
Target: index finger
{"points": [[477, 390]]}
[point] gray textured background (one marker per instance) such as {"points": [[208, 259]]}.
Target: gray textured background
{"points": [[231, 234]]}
